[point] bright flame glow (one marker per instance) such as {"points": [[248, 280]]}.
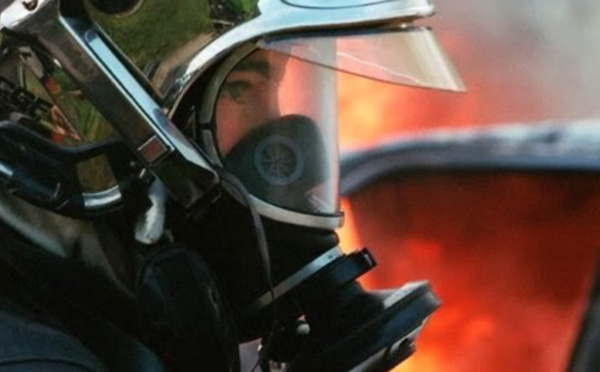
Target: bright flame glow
{"points": [[349, 238], [511, 256], [348, 234]]}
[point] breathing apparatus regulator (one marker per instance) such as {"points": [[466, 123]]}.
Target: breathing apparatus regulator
{"points": [[215, 121]]}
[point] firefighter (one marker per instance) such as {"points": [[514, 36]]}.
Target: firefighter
{"points": [[192, 203]]}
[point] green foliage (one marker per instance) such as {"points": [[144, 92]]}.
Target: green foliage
{"points": [[157, 29], [241, 6]]}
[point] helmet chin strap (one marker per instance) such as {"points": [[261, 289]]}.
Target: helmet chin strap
{"points": [[259, 229], [263, 247]]}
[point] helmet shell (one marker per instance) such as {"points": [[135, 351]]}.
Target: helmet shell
{"points": [[194, 34]]}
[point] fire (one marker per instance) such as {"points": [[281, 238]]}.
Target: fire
{"points": [[349, 238], [371, 111], [512, 257]]}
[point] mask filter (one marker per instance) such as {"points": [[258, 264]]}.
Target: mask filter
{"points": [[282, 161]]}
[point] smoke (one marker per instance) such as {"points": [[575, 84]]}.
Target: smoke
{"points": [[539, 52], [522, 61]]}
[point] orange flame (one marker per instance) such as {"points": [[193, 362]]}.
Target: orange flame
{"points": [[511, 256]]}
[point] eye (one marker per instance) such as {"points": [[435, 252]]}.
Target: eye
{"points": [[236, 90]]}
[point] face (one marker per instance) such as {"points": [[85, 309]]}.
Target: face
{"points": [[249, 97]]}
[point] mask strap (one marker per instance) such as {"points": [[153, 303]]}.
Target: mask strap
{"points": [[263, 248]]}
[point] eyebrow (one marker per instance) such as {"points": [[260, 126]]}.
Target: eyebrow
{"points": [[261, 67]]}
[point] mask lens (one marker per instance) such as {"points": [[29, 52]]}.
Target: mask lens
{"points": [[276, 129]]}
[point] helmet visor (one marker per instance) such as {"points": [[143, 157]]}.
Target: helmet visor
{"points": [[276, 130], [406, 56]]}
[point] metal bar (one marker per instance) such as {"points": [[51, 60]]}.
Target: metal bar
{"points": [[123, 101]]}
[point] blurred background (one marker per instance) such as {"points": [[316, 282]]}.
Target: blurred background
{"points": [[522, 61], [511, 254]]}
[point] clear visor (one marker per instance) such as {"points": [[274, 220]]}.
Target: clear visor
{"points": [[276, 114], [406, 56]]}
